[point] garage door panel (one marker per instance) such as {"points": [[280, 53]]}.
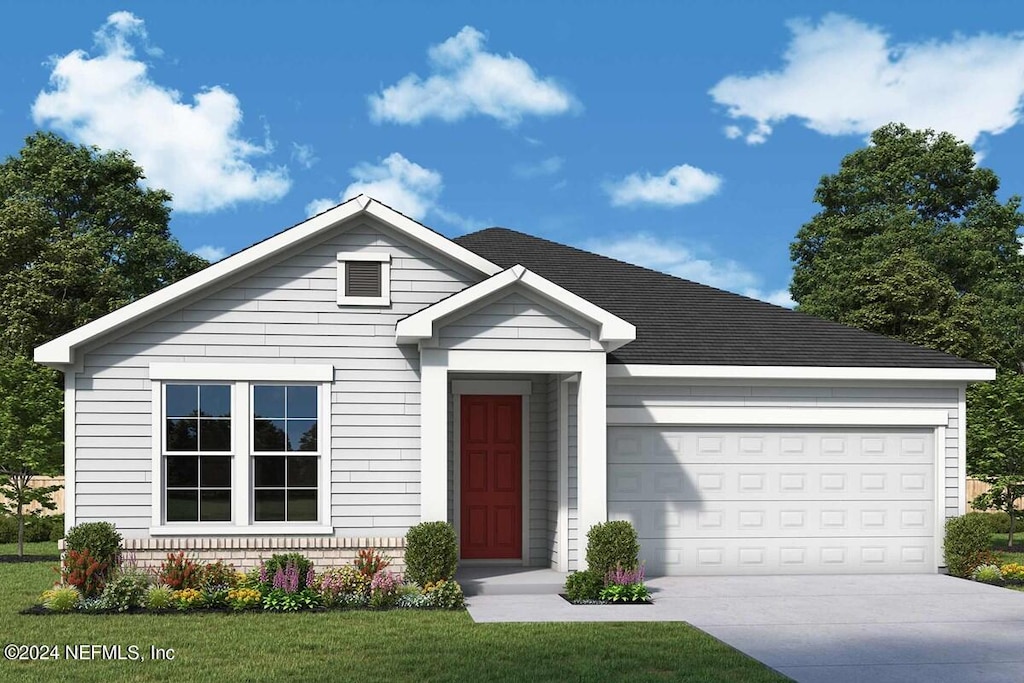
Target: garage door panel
{"points": [[703, 482], [778, 519], [841, 555], [763, 500], [751, 445]]}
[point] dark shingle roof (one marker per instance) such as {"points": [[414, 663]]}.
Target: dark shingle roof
{"points": [[679, 322]]}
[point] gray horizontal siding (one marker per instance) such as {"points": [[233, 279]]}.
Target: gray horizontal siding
{"points": [[664, 393], [514, 322], [284, 313]]}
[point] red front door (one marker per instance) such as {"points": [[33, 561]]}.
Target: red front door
{"points": [[491, 506]]}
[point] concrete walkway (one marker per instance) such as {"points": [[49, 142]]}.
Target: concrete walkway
{"points": [[828, 629]]}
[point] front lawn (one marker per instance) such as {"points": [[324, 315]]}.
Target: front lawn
{"points": [[395, 645]]}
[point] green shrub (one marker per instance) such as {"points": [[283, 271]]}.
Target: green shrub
{"points": [[444, 594], [584, 585], [431, 553], [101, 539], [61, 598], [126, 590], [611, 545], [625, 592], [966, 544], [988, 573], [38, 528], [998, 522], [158, 597], [282, 560]]}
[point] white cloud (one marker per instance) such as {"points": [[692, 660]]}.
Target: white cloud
{"points": [[679, 185], [210, 252], [466, 80], [677, 259], [544, 167], [304, 155], [404, 186], [843, 77], [193, 150]]}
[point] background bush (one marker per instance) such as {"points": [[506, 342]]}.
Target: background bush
{"points": [[998, 522], [37, 528], [612, 544], [431, 552], [101, 539], [966, 544]]}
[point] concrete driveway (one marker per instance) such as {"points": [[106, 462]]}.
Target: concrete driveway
{"points": [[832, 629]]}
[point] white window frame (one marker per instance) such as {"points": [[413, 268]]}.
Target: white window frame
{"points": [[385, 278], [241, 377], [164, 453], [252, 453]]}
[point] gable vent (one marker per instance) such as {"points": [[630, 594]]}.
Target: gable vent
{"points": [[362, 278]]}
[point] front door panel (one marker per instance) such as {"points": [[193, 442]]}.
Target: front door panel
{"points": [[491, 487]]}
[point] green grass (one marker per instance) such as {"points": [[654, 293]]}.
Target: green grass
{"points": [[339, 646], [1004, 554], [45, 548]]}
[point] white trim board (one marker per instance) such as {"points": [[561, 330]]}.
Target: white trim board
{"points": [[254, 372], [800, 417], [800, 372]]}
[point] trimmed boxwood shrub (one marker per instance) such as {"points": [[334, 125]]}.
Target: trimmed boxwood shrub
{"points": [[998, 522], [431, 552], [100, 538], [611, 545], [966, 544], [584, 585]]}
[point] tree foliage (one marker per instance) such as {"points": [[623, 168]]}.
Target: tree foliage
{"points": [[31, 424], [913, 243], [79, 237], [995, 434]]}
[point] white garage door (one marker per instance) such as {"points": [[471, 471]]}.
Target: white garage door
{"points": [[775, 501]]}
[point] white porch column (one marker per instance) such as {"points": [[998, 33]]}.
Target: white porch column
{"points": [[591, 452], [433, 436]]}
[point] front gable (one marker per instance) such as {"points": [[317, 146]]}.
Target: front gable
{"points": [[515, 321], [546, 313]]}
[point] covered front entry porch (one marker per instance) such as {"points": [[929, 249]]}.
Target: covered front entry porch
{"points": [[511, 480], [513, 396]]}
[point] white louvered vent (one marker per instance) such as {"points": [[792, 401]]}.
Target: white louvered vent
{"points": [[362, 278]]}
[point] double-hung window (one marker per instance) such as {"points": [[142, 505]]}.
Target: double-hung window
{"points": [[197, 447], [284, 446], [241, 448]]}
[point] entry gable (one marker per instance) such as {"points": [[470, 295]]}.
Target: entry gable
{"points": [[518, 287]]}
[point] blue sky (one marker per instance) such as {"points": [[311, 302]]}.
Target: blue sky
{"points": [[687, 137]]}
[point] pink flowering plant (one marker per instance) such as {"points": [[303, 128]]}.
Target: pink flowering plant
{"points": [[292, 583], [625, 584], [384, 588]]}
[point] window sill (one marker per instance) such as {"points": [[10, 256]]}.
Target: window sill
{"points": [[364, 301], [250, 530]]}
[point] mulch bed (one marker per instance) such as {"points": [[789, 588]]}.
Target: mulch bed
{"points": [[603, 602], [28, 558]]}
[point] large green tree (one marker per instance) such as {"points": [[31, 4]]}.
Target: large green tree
{"points": [[912, 242], [79, 237], [31, 425]]}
